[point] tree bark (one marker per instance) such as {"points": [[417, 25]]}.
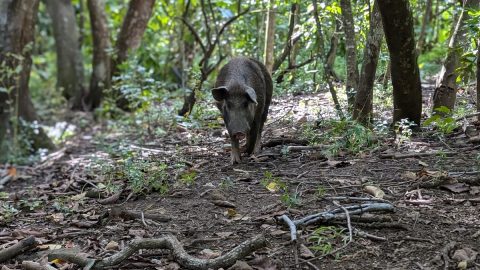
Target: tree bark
{"points": [[423, 29], [292, 58], [323, 56], [70, 73], [478, 77], [270, 37], [332, 52], [351, 52], [129, 38], [363, 107], [398, 27], [130, 35], [100, 78], [17, 28], [446, 87]]}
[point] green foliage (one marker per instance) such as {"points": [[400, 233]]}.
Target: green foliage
{"points": [[7, 212], [325, 238], [403, 131], [442, 120], [274, 184], [340, 135]]}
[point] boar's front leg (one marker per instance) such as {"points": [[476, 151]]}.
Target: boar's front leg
{"points": [[235, 155]]}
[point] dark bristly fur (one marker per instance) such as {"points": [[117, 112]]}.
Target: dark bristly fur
{"points": [[244, 110]]}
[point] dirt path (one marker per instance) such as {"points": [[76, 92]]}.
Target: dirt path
{"points": [[212, 206]]}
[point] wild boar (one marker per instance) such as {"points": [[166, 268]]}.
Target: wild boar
{"points": [[242, 93]]}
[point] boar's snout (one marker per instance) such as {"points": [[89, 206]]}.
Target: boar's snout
{"points": [[239, 135]]}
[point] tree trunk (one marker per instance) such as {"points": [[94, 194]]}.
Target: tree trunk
{"points": [[70, 73], [100, 78], [134, 25], [351, 52], [292, 58], [398, 27], [332, 52], [323, 56], [446, 87], [363, 107], [423, 29], [129, 38], [270, 37], [478, 77], [17, 28]]}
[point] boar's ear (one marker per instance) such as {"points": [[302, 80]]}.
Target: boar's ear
{"points": [[220, 93], [251, 95]]}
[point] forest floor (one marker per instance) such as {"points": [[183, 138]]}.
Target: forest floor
{"points": [[210, 206]]}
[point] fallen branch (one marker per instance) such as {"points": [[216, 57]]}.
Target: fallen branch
{"points": [[29, 265], [412, 155], [127, 214], [18, 248], [353, 210], [166, 242], [282, 141], [291, 226], [294, 148], [467, 116]]}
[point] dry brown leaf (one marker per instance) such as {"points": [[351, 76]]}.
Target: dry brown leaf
{"points": [[374, 191]]}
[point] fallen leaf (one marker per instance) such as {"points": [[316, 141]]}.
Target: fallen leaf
{"points": [[112, 245], [422, 163], [305, 252], [240, 265], [456, 187], [224, 234], [79, 197], [374, 191], [209, 254], [223, 203], [273, 187]]}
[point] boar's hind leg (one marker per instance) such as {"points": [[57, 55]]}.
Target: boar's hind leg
{"points": [[258, 144], [235, 155], [252, 138]]}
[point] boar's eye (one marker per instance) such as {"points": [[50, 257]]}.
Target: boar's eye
{"points": [[229, 104], [245, 104]]}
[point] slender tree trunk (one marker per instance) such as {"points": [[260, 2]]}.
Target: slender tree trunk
{"points": [[332, 52], [478, 77], [70, 73], [129, 38], [17, 28], [423, 29], [363, 107], [100, 78], [351, 52], [268, 53], [446, 87], [323, 55], [398, 27], [292, 58]]}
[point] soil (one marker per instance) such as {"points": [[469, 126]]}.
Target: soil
{"points": [[212, 206]]}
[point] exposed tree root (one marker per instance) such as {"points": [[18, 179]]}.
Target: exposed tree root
{"points": [[166, 242]]}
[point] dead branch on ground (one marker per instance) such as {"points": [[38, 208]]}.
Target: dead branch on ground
{"points": [[18, 248], [166, 242]]}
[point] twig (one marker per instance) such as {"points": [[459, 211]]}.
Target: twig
{"points": [[291, 226], [18, 248], [282, 141], [349, 225], [127, 214], [29, 265], [411, 155], [166, 242], [341, 198], [294, 148], [467, 116], [369, 236], [353, 210]]}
